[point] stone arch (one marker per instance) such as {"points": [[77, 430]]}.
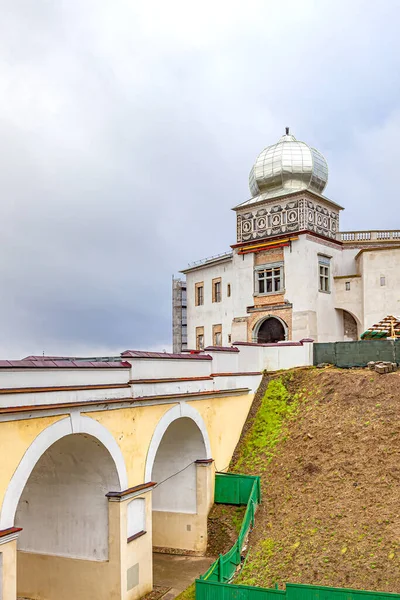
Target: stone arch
{"points": [[48, 437], [261, 322], [179, 411]]}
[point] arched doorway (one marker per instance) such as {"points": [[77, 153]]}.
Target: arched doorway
{"points": [[57, 497], [63, 509], [270, 330], [174, 467], [178, 461], [349, 327]]}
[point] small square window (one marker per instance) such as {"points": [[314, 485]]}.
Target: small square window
{"points": [[347, 286]]}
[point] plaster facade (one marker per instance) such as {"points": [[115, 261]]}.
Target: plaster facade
{"points": [[290, 232], [76, 470]]}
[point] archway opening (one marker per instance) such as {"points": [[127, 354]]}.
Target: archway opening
{"points": [[181, 498], [63, 512], [349, 327], [174, 467], [270, 331]]}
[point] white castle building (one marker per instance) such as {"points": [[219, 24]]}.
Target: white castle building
{"points": [[291, 274]]}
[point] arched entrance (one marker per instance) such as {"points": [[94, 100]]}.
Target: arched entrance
{"points": [[178, 462], [270, 330], [57, 496], [175, 469], [63, 510], [349, 327]]}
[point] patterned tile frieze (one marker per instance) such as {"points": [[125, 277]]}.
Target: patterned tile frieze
{"points": [[287, 217]]}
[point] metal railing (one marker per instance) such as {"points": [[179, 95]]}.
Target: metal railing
{"points": [[203, 261]]}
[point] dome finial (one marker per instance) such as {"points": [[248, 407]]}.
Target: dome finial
{"points": [[287, 130]]}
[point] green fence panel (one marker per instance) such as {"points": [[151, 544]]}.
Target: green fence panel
{"points": [[297, 591], [294, 591], [356, 354], [324, 353], [206, 590], [231, 488], [397, 351]]}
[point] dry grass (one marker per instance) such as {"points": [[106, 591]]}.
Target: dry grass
{"points": [[331, 513]]}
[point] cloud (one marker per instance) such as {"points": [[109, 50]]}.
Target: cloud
{"points": [[127, 131]]}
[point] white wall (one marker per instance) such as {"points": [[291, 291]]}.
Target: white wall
{"points": [[63, 509], [210, 313], [273, 357], [173, 387], [380, 301], [59, 397], [181, 444], [314, 314], [42, 377], [243, 265], [164, 368], [350, 300]]}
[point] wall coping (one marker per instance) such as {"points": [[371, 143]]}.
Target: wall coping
{"points": [[277, 344]]}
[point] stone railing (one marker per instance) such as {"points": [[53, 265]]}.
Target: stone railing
{"points": [[351, 237]]}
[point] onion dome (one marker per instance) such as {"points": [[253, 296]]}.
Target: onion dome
{"points": [[288, 166]]}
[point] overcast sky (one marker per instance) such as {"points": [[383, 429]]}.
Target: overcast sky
{"points": [[127, 133]]}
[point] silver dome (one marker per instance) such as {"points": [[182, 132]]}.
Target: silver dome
{"points": [[288, 166]]}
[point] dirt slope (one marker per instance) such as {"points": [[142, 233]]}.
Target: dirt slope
{"points": [[328, 451]]}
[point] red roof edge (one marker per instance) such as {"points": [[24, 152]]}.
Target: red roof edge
{"points": [[164, 355], [221, 349]]}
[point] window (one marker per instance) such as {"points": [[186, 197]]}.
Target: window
{"points": [[199, 293], [228, 290], [136, 518], [347, 286], [229, 338], [199, 338], [324, 269], [383, 280], [269, 280], [217, 335], [216, 290]]}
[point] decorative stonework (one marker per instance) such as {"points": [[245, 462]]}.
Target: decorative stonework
{"points": [[287, 216]]}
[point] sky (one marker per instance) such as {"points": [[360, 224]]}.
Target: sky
{"points": [[127, 133]]}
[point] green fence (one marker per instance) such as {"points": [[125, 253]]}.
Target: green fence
{"points": [[294, 591], [214, 584], [357, 354], [234, 489]]}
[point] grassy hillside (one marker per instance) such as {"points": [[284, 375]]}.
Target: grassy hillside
{"points": [[327, 446]]}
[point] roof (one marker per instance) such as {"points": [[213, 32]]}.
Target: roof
{"points": [[377, 248], [221, 349], [213, 260], [62, 364], [80, 358], [165, 355], [388, 327]]}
